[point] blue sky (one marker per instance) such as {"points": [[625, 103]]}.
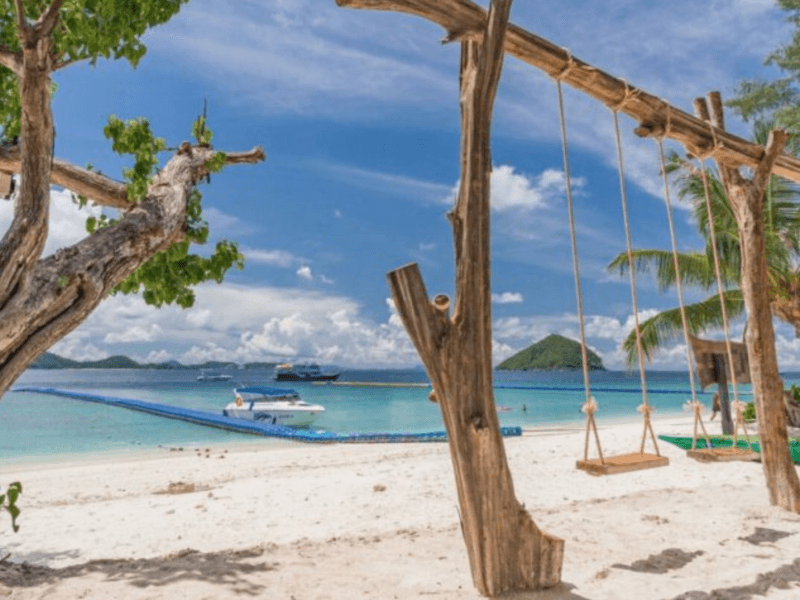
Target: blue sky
{"points": [[358, 114]]}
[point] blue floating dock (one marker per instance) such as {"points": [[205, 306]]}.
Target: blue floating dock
{"points": [[207, 418]]}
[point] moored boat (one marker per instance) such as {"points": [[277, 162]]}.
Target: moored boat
{"points": [[303, 372], [274, 406], [213, 376]]}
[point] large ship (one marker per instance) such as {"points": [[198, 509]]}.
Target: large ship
{"points": [[303, 372]]}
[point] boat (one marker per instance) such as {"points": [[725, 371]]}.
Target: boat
{"points": [[303, 372], [213, 376], [272, 406]]}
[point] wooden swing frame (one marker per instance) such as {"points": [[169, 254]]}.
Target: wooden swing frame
{"points": [[507, 550]]}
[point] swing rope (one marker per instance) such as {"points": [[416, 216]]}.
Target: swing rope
{"points": [[590, 404], [645, 407], [738, 404], [695, 404]]}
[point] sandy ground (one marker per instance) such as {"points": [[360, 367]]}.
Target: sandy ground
{"points": [[380, 521]]}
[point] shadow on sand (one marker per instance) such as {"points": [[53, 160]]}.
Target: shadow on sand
{"points": [[220, 568]]}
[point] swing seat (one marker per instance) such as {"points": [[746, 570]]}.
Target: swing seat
{"points": [[610, 465], [722, 454]]}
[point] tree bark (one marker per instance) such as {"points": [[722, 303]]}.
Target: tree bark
{"points": [[507, 551]]}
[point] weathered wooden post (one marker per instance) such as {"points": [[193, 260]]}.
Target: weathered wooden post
{"points": [[747, 200], [507, 551]]}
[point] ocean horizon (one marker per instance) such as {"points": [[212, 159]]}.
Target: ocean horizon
{"points": [[36, 426]]}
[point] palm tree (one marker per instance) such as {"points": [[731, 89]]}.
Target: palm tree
{"points": [[782, 222]]}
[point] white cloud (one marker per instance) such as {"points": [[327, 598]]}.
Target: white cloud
{"points": [[507, 298], [198, 317], [511, 191], [136, 333], [386, 183], [245, 324], [326, 280], [158, 356], [275, 258], [78, 346], [304, 272]]}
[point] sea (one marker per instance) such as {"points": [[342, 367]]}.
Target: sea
{"points": [[38, 427]]}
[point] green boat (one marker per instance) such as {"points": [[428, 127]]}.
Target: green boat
{"points": [[726, 441]]}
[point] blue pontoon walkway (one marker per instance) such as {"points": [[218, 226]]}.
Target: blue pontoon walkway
{"points": [[211, 419]]}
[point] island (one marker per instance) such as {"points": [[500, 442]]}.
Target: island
{"points": [[48, 360], [555, 352]]}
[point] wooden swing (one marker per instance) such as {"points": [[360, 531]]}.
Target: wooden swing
{"points": [[733, 362], [607, 465], [702, 348]]}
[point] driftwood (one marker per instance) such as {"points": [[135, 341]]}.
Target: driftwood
{"points": [[507, 551]]}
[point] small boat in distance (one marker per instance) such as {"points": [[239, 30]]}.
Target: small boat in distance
{"points": [[303, 372], [272, 406], [213, 376]]}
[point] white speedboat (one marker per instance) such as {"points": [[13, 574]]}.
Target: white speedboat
{"points": [[273, 406], [213, 376]]}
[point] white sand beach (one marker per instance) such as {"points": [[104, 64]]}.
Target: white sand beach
{"points": [[380, 521]]}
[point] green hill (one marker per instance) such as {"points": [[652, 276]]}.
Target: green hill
{"points": [[48, 360], [553, 352]]}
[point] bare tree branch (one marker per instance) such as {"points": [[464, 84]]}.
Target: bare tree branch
{"points": [[10, 60], [22, 24], [776, 142], [101, 190], [65, 287], [48, 19]]}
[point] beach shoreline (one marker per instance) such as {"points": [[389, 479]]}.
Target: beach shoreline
{"points": [[363, 520]]}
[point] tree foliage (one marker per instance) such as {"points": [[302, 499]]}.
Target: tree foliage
{"points": [[762, 101], [151, 218], [87, 30], [782, 220]]}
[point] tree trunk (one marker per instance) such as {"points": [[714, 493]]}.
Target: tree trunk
{"points": [[724, 401], [747, 201], [507, 551]]}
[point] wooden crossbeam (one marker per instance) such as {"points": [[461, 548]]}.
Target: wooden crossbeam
{"points": [[463, 19]]}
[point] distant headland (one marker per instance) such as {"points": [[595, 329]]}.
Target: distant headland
{"points": [[49, 360], [555, 352]]}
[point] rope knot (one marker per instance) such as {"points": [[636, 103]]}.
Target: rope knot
{"points": [[630, 94], [645, 409], [695, 406], [590, 406], [567, 68]]}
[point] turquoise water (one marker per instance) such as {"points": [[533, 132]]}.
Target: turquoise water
{"points": [[39, 426]]}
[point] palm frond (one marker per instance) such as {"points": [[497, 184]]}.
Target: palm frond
{"points": [[695, 268], [667, 326]]}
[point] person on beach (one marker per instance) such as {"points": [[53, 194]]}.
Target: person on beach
{"points": [[715, 407]]}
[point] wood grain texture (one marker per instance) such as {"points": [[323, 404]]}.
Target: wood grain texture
{"points": [[507, 551]]}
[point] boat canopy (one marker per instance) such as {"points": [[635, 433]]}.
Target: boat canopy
{"points": [[265, 390]]}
